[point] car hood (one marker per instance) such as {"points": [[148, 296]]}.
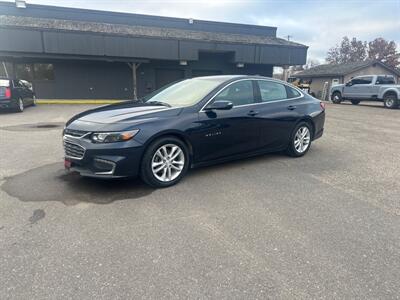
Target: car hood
{"points": [[337, 86], [119, 116]]}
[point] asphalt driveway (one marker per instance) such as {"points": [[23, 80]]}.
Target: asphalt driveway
{"points": [[323, 226]]}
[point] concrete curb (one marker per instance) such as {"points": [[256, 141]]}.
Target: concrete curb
{"points": [[78, 101]]}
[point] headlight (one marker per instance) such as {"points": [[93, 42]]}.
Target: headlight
{"points": [[112, 137]]}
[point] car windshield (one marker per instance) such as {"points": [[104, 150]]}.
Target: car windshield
{"points": [[185, 93]]}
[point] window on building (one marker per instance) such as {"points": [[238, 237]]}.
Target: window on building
{"points": [[24, 71], [31, 72], [271, 91], [43, 71], [335, 81]]}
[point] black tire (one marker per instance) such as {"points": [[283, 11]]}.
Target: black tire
{"points": [[146, 172], [390, 101], [355, 102], [336, 98], [291, 150], [19, 105]]}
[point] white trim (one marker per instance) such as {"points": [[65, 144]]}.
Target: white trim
{"points": [[256, 103]]}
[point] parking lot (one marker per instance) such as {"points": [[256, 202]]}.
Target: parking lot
{"points": [[323, 226]]}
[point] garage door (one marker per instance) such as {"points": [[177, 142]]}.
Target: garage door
{"points": [[165, 76]]}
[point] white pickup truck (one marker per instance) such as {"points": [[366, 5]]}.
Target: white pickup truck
{"points": [[369, 87]]}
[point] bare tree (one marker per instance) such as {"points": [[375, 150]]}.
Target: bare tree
{"points": [[348, 51], [384, 51]]}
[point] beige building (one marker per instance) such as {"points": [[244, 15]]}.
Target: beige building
{"points": [[331, 74]]}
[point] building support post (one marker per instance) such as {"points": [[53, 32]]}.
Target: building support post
{"points": [[134, 67], [5, 69]]}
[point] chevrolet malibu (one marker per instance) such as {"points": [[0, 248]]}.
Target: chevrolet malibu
{"points": [[191, 123]]}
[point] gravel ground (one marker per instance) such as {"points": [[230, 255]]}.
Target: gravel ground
{"points": [[323, 226]]}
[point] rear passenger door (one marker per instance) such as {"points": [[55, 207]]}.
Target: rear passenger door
{"points": [[18, 91], [278, 113]]}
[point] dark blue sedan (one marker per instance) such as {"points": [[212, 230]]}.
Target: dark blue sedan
{"points": [[194, 122]]}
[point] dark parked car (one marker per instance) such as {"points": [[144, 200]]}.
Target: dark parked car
{"points": [[194, 122], [16, 94]]}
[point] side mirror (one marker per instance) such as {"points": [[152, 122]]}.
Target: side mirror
{"points": [[220, 105], [349, 83]]}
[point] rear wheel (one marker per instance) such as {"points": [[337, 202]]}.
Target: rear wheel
{"points": [[390, 101], [20, 105], [336, 98], [300, 140], [165, 162], [355, 102]]}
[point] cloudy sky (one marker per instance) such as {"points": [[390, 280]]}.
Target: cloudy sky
{"points": [[320, 24]]}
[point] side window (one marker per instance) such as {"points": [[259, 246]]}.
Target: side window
{"points": [[271, 91], [26, 84], [292, 93], [239, 93], [17, 83], [385, 80], [355, 81], [365, 80]]}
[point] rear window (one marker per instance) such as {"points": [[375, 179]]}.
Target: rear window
{"points": [[4, 83], [385, 80]]}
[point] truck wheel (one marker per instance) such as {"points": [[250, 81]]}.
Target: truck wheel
{"points": [[355, 102], [390, 101], [336, 98]]}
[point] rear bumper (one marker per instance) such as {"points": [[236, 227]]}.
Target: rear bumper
{"points": [[106, 160], [319, 122], [7, 104]]}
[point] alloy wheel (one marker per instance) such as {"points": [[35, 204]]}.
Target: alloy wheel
{"points": [[168, 162], [302, 139], [21, 105], [389, 102]]}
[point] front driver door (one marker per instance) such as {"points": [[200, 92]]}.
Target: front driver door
{"points": [[352, 90], [223, 133]]}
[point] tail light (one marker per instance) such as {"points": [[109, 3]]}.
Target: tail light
{"points": [[322, 104], [7, 94]]}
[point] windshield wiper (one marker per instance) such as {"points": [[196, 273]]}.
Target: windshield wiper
{"points": [[159, 103]]}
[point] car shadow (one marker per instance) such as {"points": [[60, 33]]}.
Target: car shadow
{"points": [[376, 105], [52, 183]]}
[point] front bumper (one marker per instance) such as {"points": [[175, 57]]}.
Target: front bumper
{"points": [[112, 160]]}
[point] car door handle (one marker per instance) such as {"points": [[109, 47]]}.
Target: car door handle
{"points": [[252, 113], [291, 107]]}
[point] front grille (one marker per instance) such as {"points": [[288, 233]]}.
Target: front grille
{"points": [[75, 133], [73, 150]]}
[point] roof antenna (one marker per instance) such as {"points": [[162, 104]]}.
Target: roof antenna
{"points": [[20, 3]]}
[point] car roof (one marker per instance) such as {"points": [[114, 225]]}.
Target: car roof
{"points": [[228, 78]]}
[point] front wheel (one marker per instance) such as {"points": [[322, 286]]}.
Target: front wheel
{"points": [[165, 162], [300, 141], [355, 102], [390, 101], [336, 98]]}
